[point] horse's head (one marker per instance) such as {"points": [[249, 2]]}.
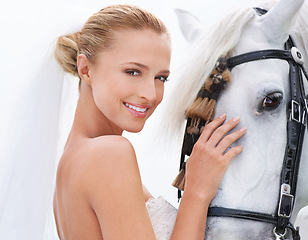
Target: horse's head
{"points": [[259, 93]]}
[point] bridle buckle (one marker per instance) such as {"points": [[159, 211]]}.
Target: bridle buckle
{"points": [[279, 236], [305, 113], [286, 201], [295, 111]]}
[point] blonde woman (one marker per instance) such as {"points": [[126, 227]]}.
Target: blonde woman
{"points": [[122, 57]]}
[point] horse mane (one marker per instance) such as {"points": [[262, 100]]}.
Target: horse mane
{"points": [[219, 41], [300, 30], [201, 59]]}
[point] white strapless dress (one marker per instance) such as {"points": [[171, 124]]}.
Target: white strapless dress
{"points": [[162, 215], [161, 212]]}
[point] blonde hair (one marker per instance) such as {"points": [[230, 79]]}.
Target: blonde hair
{"points": [[97, 33]]}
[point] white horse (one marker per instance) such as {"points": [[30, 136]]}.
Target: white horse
{"points": [[259, 93]]}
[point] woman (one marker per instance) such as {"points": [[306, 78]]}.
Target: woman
{"points": [[122, 58]]}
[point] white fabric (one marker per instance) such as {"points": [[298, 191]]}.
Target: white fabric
{"points": [[28, 156], [162, 215], [33, 100], [30, 147]]}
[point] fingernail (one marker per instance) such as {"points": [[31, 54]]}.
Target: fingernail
{"points": [[243, 129], [236, 119], [222, 115]]}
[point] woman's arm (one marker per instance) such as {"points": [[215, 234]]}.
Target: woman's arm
{"points": [[200, 188]]}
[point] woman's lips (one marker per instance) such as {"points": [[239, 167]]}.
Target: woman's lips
{"points": [[137, 110]]}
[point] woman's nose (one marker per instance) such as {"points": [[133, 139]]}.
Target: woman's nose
{"points": [[148, 90]]}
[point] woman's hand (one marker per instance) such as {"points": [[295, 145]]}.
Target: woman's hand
{"points": [[209, 159]]}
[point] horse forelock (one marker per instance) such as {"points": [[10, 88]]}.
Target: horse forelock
{"points": [[200, 61], [219, 40]]}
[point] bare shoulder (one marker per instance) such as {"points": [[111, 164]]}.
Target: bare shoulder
{"points": [[107, 158], [110, 157], [94, 162], [110, 148], [106, 167]]}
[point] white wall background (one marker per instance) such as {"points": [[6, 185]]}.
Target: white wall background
{"points": [[22, 23]]}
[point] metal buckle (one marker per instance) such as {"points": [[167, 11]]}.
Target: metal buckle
{"points": [[279, 236], [305, 113], [286, 201], [295, 116]]}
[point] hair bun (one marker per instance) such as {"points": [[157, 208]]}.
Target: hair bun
{"points": [[66, 52]]}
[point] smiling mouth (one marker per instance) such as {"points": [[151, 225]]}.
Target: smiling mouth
{"points": [[138, 109], [140, 112]]}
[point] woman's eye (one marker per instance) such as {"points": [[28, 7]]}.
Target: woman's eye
{"points": [[271, 101], [133, 72], [162, 78]]}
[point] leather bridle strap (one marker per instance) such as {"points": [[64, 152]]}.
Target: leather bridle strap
{"points": [[295, 134], [259, 55], [242, 214], [295, 137]]}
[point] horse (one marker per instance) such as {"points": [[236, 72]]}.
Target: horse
{"points": [[259, 93]]}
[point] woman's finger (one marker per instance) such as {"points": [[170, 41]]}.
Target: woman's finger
{"points": [[233, 152], [229, 139], [220, 132], [211, 127]]}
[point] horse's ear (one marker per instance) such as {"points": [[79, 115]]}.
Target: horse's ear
{"points": [[190, 26], [277, 22]]}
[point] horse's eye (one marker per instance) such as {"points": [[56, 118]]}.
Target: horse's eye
{"points": [[271, 101]]}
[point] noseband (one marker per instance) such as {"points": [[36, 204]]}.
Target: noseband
{"points": [[297, 120]]}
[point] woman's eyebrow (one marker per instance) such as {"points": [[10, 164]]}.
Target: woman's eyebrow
{"points": [[137, 64], [165, 71], [145, 67]]}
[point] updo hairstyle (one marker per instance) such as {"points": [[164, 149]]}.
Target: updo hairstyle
{"points": [[97, 33]]}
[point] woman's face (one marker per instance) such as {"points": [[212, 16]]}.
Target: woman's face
{"points": [[128, 79]]}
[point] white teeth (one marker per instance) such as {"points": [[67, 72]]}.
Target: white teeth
{"points": [[136, 108]]}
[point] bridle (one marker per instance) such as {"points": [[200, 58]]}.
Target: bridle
{"points": [[296, 124]]}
